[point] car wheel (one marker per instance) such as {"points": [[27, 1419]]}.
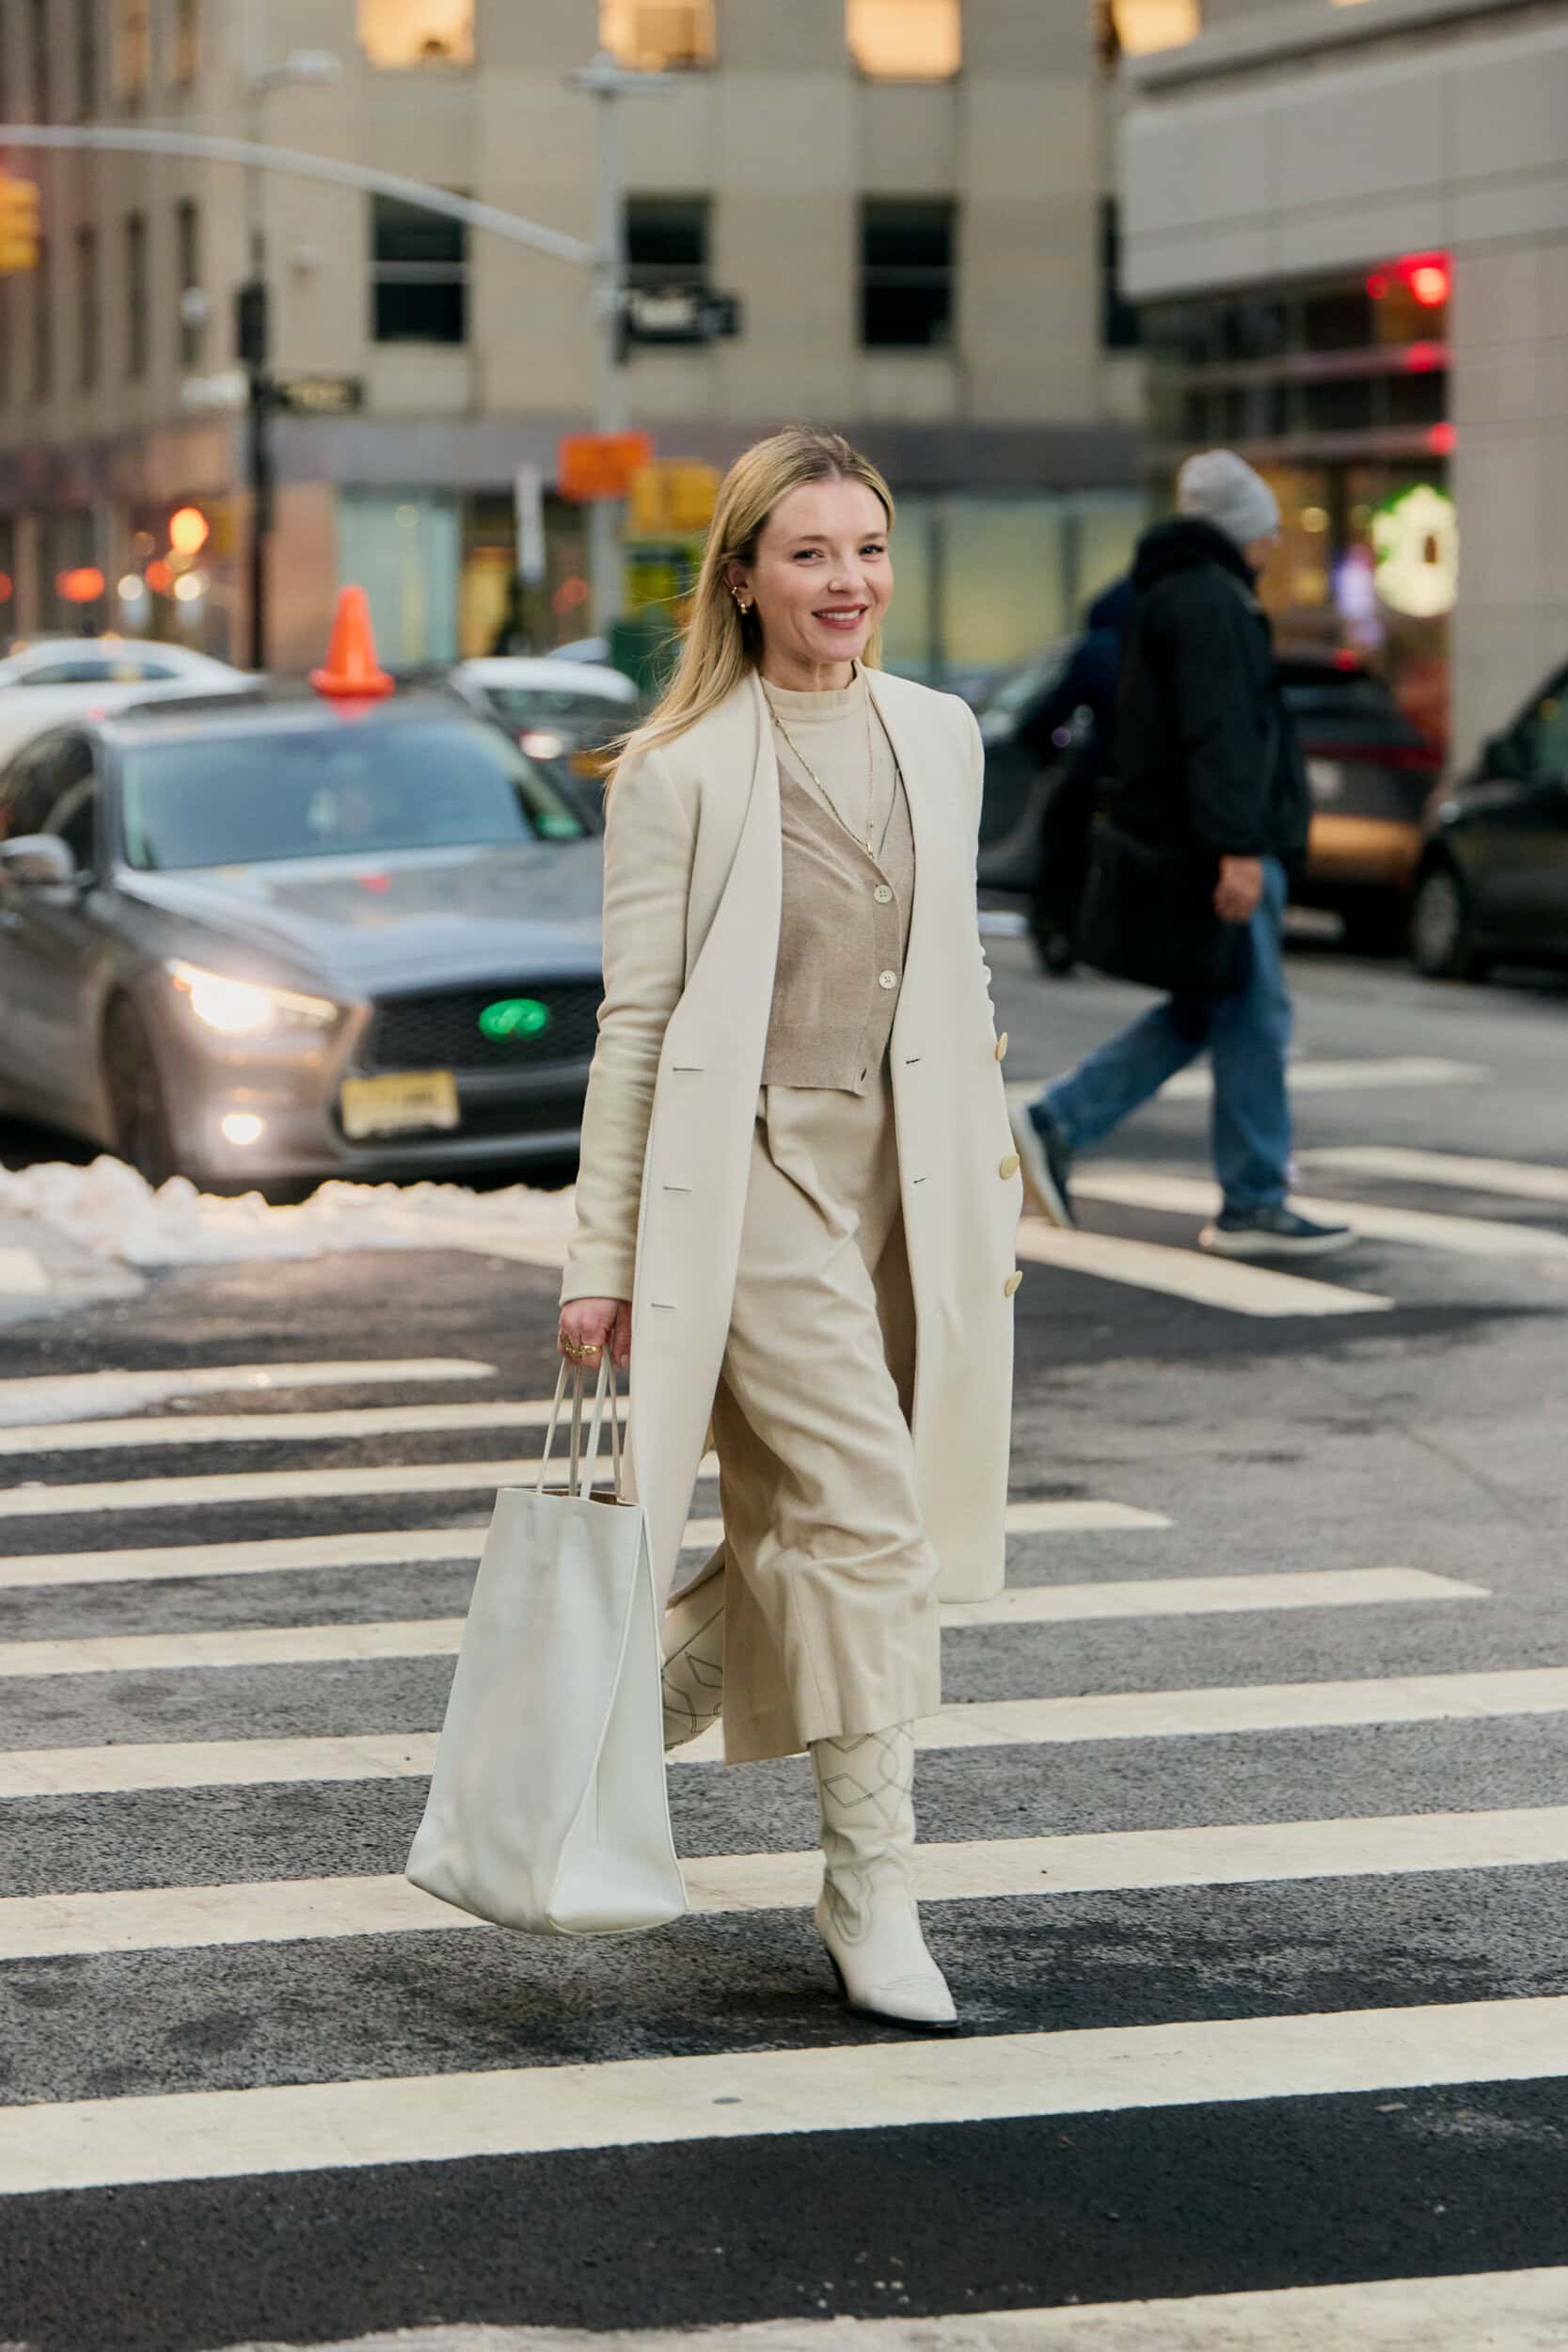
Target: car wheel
{"points": [[1442, 942], [141, 1129]]}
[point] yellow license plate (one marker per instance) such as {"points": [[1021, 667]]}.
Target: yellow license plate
{"points": [[399, 1104]]}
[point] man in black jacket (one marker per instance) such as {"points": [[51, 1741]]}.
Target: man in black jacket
{"points": [[1207, 760]]}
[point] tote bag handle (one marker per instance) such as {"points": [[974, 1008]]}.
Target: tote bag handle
{"points": [[585, 1470]]}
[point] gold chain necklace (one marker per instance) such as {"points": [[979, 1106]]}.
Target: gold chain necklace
{"points": [[870, 774]]}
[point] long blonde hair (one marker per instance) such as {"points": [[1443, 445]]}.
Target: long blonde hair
{"points": [[722, 644]]}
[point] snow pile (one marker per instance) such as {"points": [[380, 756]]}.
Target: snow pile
{"points": [[109, 1209]]}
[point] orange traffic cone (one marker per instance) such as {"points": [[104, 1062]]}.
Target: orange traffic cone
{"points": [[352, 670]]}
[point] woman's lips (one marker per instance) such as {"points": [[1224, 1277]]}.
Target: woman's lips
{"points": [[849, 618]]}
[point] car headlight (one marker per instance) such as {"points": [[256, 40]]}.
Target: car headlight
{"points": [[242, 1009]]}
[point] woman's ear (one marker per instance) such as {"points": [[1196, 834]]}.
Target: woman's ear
{"points": [[740, 588]]}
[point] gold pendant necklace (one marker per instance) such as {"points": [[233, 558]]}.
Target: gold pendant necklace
{"points": [[870, 775]]}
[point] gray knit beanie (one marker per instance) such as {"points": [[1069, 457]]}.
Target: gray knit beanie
{"points": [[1221, 488]]}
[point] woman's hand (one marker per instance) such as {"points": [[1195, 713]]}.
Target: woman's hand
{"points": [[586, 1324]]}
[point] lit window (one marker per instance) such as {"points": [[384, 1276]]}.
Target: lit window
{"points": [[417, 32], [906, 41], [1142, 26], [186, 62], [132, 51], [652, 35]]}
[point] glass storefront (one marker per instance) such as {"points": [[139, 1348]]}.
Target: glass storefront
{"points": [[1337, 392]]}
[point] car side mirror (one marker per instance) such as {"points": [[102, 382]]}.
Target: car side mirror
{"points": [[38, 860]]}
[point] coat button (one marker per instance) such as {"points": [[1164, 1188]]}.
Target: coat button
{"points": [[887, 979], [1014, 1279], [883, 895], [1002, 1047], [1010, 1166]]}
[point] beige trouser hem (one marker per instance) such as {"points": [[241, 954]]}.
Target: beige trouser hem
{"points": [[831, 1614]]}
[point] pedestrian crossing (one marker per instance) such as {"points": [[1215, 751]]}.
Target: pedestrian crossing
{"points": [[755, 2076]]}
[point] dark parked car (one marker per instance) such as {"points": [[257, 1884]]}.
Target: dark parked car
{"points": [[296, 939], [1493, 880], [1371, 771]]}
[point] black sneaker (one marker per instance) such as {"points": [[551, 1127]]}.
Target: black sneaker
{"points": [[1046, 1163], [1273, 1233]]}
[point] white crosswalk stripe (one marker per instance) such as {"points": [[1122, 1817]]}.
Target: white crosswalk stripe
{"points": [[1422, 1228], [1521, 1180], [436, 2118], [1026, 1604], [186, 1429], [166, 1919], [1203, 1713], [54, 1396], [1238, 1289]]}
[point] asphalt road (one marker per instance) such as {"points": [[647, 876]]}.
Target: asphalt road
{"points": [[1266, 2036]]}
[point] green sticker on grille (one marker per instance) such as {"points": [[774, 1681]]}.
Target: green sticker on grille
{"points": [[514, 1016]]}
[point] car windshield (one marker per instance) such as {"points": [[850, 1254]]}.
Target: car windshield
{"points": [[527, 704], [344, 790]]}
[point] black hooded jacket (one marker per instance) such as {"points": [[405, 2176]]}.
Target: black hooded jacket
{"points": [[1207, 754]]}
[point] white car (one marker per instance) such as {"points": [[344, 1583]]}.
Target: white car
{"points": [[563, 715], [47, 680]]}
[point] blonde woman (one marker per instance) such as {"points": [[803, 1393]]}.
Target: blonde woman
{"points": [[798, 1195]]}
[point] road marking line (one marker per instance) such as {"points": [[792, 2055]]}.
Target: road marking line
{"points": [[41, 1500], [396, 1546], [285, 1911], [1325, 1076], [309, 2127], [1204, 1713], [1024, 1519], [186, 1429], [23, 1274], [1243, 1290], [1196, 1196], [438, 1637], [54, 1396], [1527, 1180]]}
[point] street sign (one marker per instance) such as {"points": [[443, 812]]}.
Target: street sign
{"points": [[672, 498], [320, 395], [679, 314], [591, 466]]}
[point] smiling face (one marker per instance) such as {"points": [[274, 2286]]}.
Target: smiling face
{"points": [[821, 581]]}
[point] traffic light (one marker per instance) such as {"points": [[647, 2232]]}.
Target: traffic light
{"points": [[19, 224]]}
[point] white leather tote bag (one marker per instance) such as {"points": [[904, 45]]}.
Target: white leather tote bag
{"points": [[548, 1808]]}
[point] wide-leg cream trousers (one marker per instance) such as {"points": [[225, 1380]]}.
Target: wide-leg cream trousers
{"points": [[830, 1584]]}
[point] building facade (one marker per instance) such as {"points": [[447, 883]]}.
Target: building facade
{"points": [[1349, 224], [907, 200]]}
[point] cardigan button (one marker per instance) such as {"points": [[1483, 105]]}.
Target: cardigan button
{"points": [[887, 979], [1002, 1047], [883, 895], [1014, 1279], [1010, 1166]]}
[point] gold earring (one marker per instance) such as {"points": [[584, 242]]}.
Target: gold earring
{"points": [[742, 603]]}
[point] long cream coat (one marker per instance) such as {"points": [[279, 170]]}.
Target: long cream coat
{"points": [[690, 936]]}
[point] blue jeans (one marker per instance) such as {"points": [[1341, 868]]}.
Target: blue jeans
{"points": [[1247, 1037]]}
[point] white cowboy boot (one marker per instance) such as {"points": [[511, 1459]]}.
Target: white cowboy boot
{"points": [[867, 1911], [693, 1672]]}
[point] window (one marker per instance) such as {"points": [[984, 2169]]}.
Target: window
{"points": [[906, 41], [136, 294], [5, 66], [187, 63], [907, 272], [653, 35], [133, 50], [417, 32], [1138, 26], [86, 59], [43, 94], [67, 790], [667, 240], [187, 248], [419, 279], [87, 338], [1118, 320], [43, 323], [8, 334]]}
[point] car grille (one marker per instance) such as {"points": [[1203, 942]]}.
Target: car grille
{"points": [[441, 1031]]}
